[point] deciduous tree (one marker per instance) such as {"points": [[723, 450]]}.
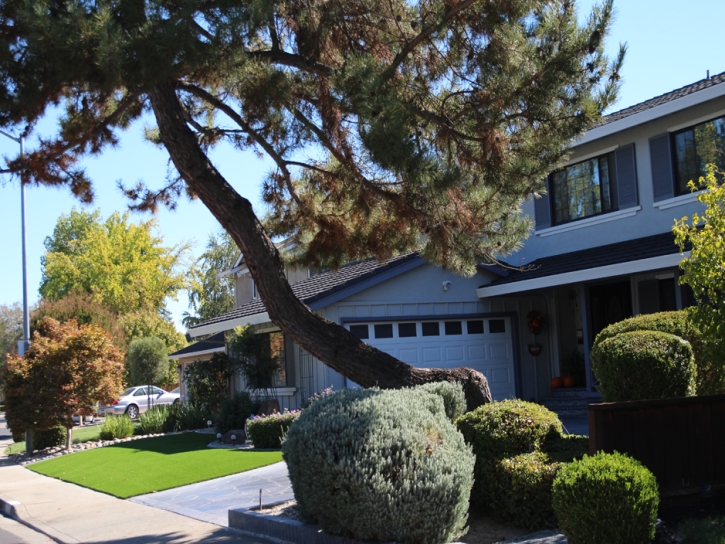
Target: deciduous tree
{"points": [[68, 368], [705, 272], [148, 363], [394, 125], [11, 329]]}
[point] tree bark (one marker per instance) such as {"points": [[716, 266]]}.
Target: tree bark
{"points": [[332, 344]]}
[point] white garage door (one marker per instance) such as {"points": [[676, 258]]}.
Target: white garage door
{"points": [[484, 344]]}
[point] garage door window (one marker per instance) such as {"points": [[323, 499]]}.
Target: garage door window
{"points": [[453, 328], [361, 331], [431, 329], [407, 330], [475, 327], [384, 331], [496, 326]]}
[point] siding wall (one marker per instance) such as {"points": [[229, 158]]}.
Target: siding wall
{"points": [[649, 220]]}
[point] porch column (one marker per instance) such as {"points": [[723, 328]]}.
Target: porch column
{"points": [[583, 294]]}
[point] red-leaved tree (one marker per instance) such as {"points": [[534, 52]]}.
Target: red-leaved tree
{"points": [[68, 368]]}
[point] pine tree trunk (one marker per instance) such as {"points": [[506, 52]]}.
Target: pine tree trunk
{"points": [[332, 344]]}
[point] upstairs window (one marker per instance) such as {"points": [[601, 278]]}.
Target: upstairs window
{"points": [[695, 148], [584, 189]]}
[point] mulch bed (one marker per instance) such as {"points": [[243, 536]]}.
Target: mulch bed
{"points": [[675, 510]]}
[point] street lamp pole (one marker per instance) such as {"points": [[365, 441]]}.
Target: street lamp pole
{"points": [[24, 344]]}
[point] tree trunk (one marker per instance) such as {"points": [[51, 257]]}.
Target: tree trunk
{"points": [[69, 435], [332, 344]]}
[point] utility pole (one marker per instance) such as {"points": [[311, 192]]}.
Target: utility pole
{"points": [[23, 344]]}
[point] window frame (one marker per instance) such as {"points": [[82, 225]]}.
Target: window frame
{"points": [[612, 182], [678, 191]]}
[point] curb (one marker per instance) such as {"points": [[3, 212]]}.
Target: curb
{"points": [[15, 510]]}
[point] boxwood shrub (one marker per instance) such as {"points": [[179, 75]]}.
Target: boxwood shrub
{"points": [[383, 465], [710, 374], [606, 499], [267, 432], [644, 365], [49, 438]]}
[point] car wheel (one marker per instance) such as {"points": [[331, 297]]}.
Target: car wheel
{"points": [[175, 402], [132, 411]]}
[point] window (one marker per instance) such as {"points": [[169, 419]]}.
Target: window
{"points": [[696, 147], [496, 326], [276, 349], [431, 328], [407, 330], [584, 189], [475, 327], [360, 331], [453, 328], [384, 331], [254, 290]]}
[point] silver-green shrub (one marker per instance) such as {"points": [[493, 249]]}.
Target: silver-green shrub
{"points": [[381, 465], [454, 400]]}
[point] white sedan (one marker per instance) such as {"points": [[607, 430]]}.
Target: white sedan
{"points": [[134, 401]]}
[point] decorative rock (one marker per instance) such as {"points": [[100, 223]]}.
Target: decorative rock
{"points": [[240, 435]]}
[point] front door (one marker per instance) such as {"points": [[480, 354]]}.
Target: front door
{"points": [[609, 303]]}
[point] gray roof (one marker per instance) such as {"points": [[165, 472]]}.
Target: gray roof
{"points": [[322, 285], [662, 99], [621, 252], [212, 342]]}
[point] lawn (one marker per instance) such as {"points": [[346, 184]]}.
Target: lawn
{"points": [[152, 464]]}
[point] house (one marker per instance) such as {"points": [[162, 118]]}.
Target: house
{"points": [[601, 250]]}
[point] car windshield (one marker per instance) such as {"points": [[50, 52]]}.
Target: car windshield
{"points": [[127, 392]]}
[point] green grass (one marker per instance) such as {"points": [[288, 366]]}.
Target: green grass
{"points": [[80, 434], [152, 464]]}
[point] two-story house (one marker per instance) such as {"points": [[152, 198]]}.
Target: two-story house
{"points": [[602, 250]]}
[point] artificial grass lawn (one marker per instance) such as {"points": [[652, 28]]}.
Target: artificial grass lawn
{"points": [[152, 464]]}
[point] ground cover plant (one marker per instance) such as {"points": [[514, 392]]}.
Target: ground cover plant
{"points": [[152, 464]]}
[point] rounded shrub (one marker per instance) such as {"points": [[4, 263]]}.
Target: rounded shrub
{"points": [[267, 432], [606, 499], [49, 438], [644, 365], [382, 465], [503, 429]]}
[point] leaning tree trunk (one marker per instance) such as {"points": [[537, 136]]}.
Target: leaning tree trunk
{"points": [[332, 344]]}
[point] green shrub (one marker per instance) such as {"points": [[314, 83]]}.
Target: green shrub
{"points": [[18, 436], [383, 465], [267, 432], [522, 486], [644, 365], [454, 400], [50, 438], [507, 428], [185, 417], [606, 499], [235, 411], [152, 421], [566, 448], [116, 427], [710, 373]]}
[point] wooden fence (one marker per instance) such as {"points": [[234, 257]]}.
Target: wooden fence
{"points": [[682, 441]]}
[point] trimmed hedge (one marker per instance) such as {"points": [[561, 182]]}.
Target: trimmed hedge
{"points": [[267, 432], [710, 374], [606, 499], [644, 365], [381, 465]]}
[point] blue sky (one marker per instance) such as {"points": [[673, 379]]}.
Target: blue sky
{"points": [[671, 43]]}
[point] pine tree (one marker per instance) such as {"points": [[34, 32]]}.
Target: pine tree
{"points": [[394, 125]]}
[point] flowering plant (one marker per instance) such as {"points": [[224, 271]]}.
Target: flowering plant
{"points": [[319, 395]]}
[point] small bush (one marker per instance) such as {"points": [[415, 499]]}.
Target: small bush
{"points": [[383, 465], [522, 486], [566, 448], [606, 499], [267, 432], [454, 400], [152, 421], [235, 411], [507, 428], [116, 427], [185, 417], [644, 365], [18, 436], [49, 438]]}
